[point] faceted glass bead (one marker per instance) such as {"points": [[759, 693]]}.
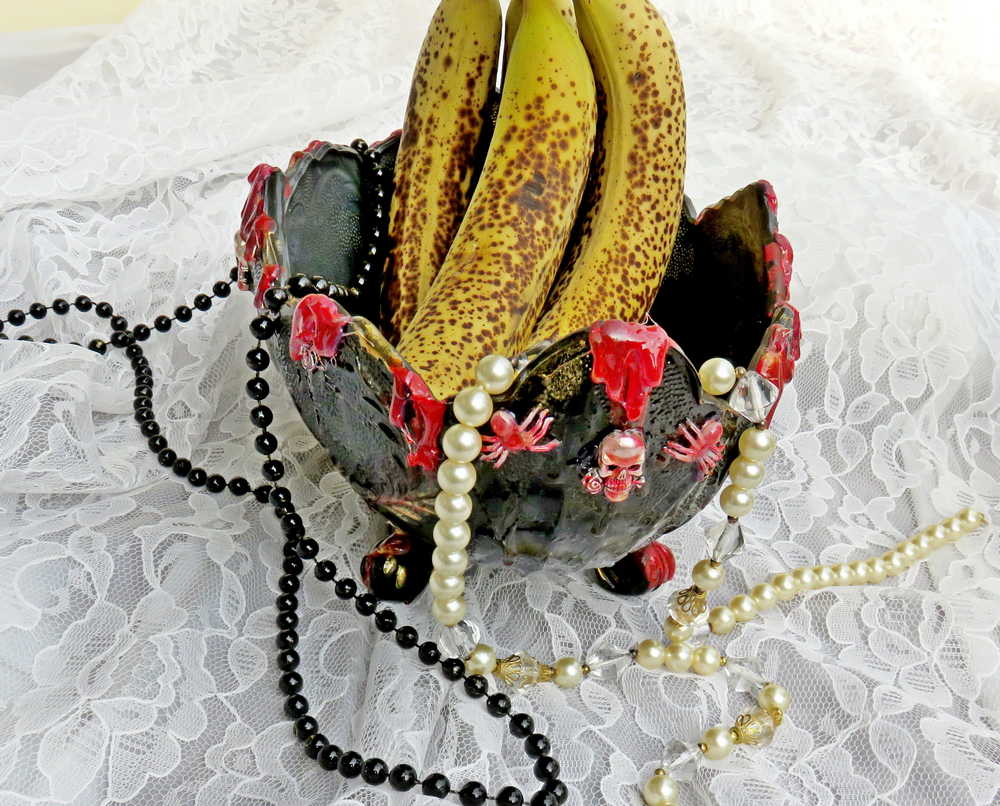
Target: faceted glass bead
{"points": [[458, 641], [746, 673], [689, 606], [521, 671], [756, 728], [753, 396], [725, 540], [606, 661], [680, 760]]}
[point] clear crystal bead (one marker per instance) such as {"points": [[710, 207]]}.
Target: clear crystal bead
{"points": [[605, 661], [747, 673], [681, 760], [753, 396], [458, 641], [521, 670], [755, 729], [725, 540], [689, 606]]}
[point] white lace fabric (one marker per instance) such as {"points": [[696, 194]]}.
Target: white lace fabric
{"points": [[137, 615]]}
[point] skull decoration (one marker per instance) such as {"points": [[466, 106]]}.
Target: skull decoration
{"points": [[621, 459]]}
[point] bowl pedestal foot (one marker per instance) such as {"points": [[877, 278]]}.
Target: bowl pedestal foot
{"points": [[398, 567]]}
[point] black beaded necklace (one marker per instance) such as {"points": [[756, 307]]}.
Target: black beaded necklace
{"points": [[299, 547]]}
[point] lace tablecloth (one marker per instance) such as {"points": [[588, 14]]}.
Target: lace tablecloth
{"points": [[136, 620]]}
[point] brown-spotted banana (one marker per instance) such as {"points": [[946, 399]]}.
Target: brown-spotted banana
{"points": [[488, 294], [630, 210], [513, 19], [449, 105]]}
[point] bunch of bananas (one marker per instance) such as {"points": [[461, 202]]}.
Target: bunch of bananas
{"points": [[560, 211]]}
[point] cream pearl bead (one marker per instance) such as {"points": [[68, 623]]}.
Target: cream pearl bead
{"points": [[707, 575], [495, 373], [860, 570], [452, 535], [717, 376], [721, 620], [446, 586], [764, 596], [677, 658], [940, 535], [744, 608], [785, 587], [462, 443], [925, 543], [877, 570], [746, 473], [660, 790], [448, 611], [450, 563], [757, 444], [717, 743], [895, 563], [482, 660], [824, 576], [971, 519], [456, 477], [910, 552], [735, 501], [676, 632], [473, 406], [954, 528], [649, 654], [569, 672], [453, 507], [774, 696], [842, 574], [706, 660], [805, 577]]}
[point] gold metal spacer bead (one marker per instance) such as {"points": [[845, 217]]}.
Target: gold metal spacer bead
{"points": [[585, 669], [723, 660], [735, 733], [778, 716], [659, 771], [703, 747]]}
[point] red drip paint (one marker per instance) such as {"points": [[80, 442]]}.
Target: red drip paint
{"points": [[377, 143], [419, 416], [317, 329], [628, 360], [657, 563], [262, 225], [776, 363], [270, 273], [769, 195], [253, 209]]}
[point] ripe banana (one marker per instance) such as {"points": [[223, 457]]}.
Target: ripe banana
{"points": [[631, 207], [490, 290], [449, 105], [513, 20]]}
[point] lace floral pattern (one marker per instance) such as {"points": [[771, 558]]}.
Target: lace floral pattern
{"points": [[136, 616]]}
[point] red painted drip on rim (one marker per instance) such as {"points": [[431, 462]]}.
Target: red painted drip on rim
{"points": [[628, 360], [317, 329], [419, 416], [268, 275]]}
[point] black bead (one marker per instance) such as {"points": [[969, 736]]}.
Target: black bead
{"points": [[286, 601], [157, 443], [472, 794], [257, 359], [261, 416], [308, 548], [385, 620], [289, 583], [537, 745], [266, 443], [37, 310], [453, 668], [476, 686], [375, 771], [510, 796], [279, 496], [143, 414], [182, 467], [287, 509], [403, 778], [320, 284], [118, 323], [234, 273], [197, 477], [215, 483], [83, 303], [521, 725], [182, 313], [407, 637], [286, 620], [141, 390], [315, 743], [296, 706], [60, 306], [104, 310], [435, 785], [305, 727], [325, 570], [25, 338], [544, 798], [286, 639], [202, 302], [138, 360], [262, 328], [546, 768], [350, 764], [222, 289], [429, 653], [288, 659], [498, 704], [299, 285], [291, 548], [345, 588], [134, 351], [49, 340], [98, 346], [557, 788], [261, 492], [16, 317], [359, 145], [258, 389], [275, 299], [144, 372], [292, 565], [329, 757], [292, 526], [141, 332], [239, 485], [121, 339], [162, 323], [167, 457], [150, 428], [290, 683], [273, 470], [366, 604]]}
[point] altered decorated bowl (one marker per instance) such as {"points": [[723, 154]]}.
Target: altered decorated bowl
{"points": [[605, 441]]}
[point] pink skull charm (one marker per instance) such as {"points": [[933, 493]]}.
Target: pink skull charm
{"points": [[621, 460], [317, 328]]}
